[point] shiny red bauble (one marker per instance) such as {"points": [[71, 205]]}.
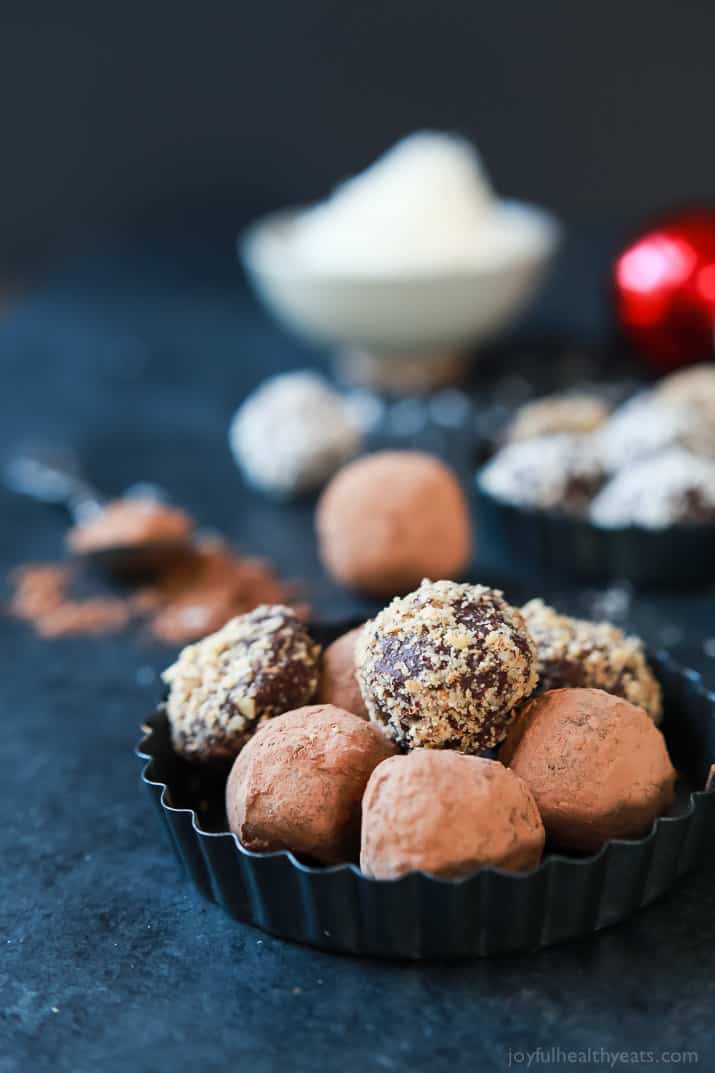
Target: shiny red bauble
{"points": [[665, 290]]}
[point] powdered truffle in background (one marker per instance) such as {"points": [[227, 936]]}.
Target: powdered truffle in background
{"points": [[546, 472], [259, 665], [575, 652], [338, 683], [298, 784], [445, 666], [597, 766], [647, 424], [293, 433], [674, 487], [447, 814], [387, 520], [572, 414], [129, 522], [694, 386]]}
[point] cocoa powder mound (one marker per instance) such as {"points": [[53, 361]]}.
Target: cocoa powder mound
{"points": [[200, 593], [187, 599], [41, 597]]}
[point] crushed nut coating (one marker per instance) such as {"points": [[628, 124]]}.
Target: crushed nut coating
{"points": [[444, 666], [573, 652], [259, 665]]}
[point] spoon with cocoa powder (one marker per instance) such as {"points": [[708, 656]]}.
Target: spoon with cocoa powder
{"points": [[135, 534]]}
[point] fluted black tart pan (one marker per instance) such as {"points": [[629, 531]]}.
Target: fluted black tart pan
{"points": [[421, 916], [523, 538]]}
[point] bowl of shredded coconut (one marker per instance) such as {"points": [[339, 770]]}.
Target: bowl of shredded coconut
{"points": [[405, 267]]}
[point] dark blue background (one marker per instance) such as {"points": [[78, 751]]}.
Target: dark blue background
{"points": [[186, 120], [106, 961], [116, 113]]}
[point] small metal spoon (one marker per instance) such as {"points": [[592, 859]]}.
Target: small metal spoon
{"points": [[53, 477]]}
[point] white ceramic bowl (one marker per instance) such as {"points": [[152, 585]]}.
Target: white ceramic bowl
{"points": [[405, 316]]}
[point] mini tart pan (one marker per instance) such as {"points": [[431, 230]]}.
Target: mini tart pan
{"points": [[521, 537], [422, 916]]}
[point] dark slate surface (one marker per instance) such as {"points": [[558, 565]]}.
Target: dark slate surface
{"points": [[108, 961]]}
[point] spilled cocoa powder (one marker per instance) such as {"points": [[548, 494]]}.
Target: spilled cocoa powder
{"points": [[187, 599], [41, 596]]}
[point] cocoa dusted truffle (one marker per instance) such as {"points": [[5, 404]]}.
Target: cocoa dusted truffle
{"points": [[445, 666], [597, 766], [387, 520], [574, 652], [298, 784], [338, 683], [129, 522], [447, 814], [259, 665]]}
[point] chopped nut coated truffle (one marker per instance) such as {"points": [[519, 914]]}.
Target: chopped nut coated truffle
{"points": [[553, 414], [574, 652], [445, 666], [259, 665]]}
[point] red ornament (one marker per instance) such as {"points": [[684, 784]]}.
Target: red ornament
{"points": [[665, 290]]}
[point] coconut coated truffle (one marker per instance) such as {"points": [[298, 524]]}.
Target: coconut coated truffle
{"points": [[258, 665], [648, 424], [298, 784], [387, 520], [673, 488], [293, 433], [338, 683], [576, 415], [575, 652], [445, 666], [597, 766], [447, 814], [547, 472], [129, 522]]}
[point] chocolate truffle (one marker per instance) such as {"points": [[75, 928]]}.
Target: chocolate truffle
{"points": [[299, 782], [548, 472], [575, 652], [597, 766], [128, 522], [672, 488], [258, 665], [573, 414], [648, 424], [387, 520], [444, 666], [447, 814], [293, 433], [338, 683]]}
